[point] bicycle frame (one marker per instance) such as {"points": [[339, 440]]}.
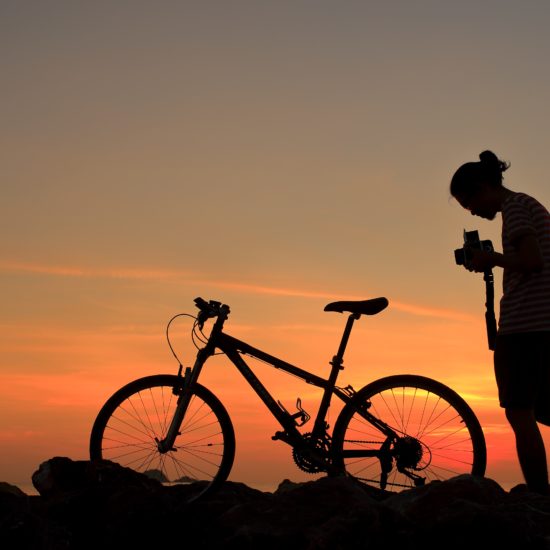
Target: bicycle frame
{"points": [[234, 349], [429, 431]]}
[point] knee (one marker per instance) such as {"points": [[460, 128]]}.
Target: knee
{"points": [[520, 418]]}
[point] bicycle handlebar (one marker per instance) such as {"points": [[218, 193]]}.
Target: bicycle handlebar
{"points": [[209, 310]]}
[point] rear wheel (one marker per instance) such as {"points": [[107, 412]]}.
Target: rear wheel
{"points": [[437, 434], [137, 416]]}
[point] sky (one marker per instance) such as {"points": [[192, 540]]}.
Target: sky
{"points": [[274, 156]]}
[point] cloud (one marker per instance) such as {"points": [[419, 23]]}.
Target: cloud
{"points": [[440, 313], [190, 278], [18, 267], [101, 273]]}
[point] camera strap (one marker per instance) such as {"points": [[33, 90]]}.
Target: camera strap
{"points": [[490, 319]]}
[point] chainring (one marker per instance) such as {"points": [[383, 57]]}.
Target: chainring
{"points": [[305, 461]]}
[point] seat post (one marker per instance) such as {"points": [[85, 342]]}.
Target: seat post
{"points": [[339, 357], [320, 422]]}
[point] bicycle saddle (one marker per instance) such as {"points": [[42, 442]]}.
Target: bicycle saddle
{"points": [[363, 307]]}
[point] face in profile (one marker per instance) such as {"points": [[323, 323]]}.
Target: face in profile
{"points": [[479, 204]]}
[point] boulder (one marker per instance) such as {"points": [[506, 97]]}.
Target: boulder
{"points": [[88, 505], [61, 475]]}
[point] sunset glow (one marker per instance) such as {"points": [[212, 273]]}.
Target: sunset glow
{"points": [[272, 156]]}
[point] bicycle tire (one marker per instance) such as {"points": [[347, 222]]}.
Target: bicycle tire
{"points": [[432, 420], [127, 425]]}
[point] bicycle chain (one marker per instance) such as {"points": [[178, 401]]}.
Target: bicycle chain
{"points": [[360, 441], [377, 481]]}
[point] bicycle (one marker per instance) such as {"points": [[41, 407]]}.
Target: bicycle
{"points": [[394, 433]]}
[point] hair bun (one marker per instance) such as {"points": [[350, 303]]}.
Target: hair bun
{"points": [[489, 159]]}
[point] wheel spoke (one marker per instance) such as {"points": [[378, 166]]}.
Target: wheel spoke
{"points": [[131, 423], [434, 438]]}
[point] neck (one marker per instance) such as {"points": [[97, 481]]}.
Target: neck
{"points": [[501, 195]]}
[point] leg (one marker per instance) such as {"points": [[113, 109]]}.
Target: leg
{"points": [[521, 369], [530, 449]]}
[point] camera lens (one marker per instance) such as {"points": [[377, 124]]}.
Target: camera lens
{"points": [[460, 258]]}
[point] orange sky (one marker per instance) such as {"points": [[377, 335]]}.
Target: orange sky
{"points": [[274, 156]]}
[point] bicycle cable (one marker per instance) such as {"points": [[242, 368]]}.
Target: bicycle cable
{"points": [[168, 334], [195, 336], [198, 334]]}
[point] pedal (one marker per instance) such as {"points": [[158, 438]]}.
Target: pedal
{"points": [[282, 436]]}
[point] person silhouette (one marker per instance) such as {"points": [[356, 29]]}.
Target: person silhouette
{"points": [[522, 347]]}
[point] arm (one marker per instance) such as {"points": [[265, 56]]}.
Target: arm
{"points": [[527, 258]]}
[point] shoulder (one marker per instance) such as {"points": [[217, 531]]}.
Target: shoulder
{"points": [[519, 200], [522, 204], [517, 216], [516, 202], [523, 215]]}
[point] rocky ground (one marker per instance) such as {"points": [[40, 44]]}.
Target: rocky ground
{"points": [[83, 505]]}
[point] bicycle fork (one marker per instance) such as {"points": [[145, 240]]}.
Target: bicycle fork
{"points": [[184, 398]]}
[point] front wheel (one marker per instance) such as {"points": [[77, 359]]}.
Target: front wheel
{"points": [[130, 424], [437, 435]]}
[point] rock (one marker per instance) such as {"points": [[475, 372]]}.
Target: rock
{"points": [[12, 500], [8, 489], [476, 510], [60, 475], [88, 505], [19, 528], [327, 513], [420, 504]]}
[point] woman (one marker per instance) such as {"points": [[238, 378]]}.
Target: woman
{"points": [[522, 350]]}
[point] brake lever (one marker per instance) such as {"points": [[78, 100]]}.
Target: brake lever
{"points": [[202, 317], [200, 303]]}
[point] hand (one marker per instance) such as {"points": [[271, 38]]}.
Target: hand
{"points": [[480, 260]]}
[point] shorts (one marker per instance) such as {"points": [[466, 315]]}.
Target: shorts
{"points": [[522, 370]]}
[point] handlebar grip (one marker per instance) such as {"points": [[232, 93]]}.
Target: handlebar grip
{"points": [[201, 304]]}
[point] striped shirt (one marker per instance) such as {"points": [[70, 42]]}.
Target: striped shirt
{"points": [[525, 303]]}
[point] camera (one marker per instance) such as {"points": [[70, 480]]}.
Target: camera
{"points": [[471, 242]]}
